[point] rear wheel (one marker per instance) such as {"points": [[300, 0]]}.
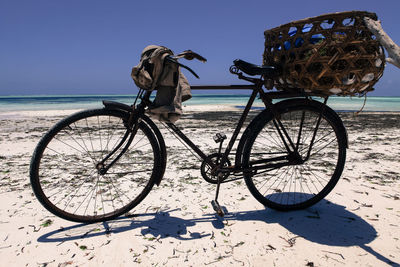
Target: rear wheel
{"points": [[67, 168], [290, 181]]}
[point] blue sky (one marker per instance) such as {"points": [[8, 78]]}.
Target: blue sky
{"points": [[89, 47]]}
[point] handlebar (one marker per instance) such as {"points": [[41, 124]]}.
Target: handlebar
{"points": [[171, 59]]}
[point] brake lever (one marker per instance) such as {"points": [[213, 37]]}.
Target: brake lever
{"points": [[189, 55]]}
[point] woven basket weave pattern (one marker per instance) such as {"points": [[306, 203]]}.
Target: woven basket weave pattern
{"points": [[329, 54]]}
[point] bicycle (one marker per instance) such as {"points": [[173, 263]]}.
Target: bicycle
{"points": [[98, 164]]}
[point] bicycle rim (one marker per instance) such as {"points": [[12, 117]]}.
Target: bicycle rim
{"points": [[65, 167], [295, 186]]}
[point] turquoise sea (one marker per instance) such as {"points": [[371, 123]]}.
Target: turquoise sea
{"points": [[55, 102]]}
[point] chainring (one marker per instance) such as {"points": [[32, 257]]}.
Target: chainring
{"points": [[206, 169]]}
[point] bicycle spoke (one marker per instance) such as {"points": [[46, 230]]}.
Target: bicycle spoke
{"points": [[129, 172], [72, 147], [83, 201], [64, 156], [277, 179], [117, 192], [90, 138], [75, 192], [86, 149], [112, 133], [102, 202], [99, 131]]}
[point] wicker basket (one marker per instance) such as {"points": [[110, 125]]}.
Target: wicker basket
{"points": [[329, 54]]}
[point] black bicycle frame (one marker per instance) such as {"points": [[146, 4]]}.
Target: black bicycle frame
{"points": [[267, 99], [239, 126], [271, 163]]}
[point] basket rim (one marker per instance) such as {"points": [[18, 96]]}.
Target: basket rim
{"points": [[371, 15]]}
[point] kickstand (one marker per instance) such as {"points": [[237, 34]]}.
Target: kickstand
{"points": [[217, 208]]}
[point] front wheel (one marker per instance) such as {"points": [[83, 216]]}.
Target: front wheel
{"points": [[67, 168], [285, 180]]}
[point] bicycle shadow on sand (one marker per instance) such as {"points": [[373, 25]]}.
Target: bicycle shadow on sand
{"points": [[325, 223]]}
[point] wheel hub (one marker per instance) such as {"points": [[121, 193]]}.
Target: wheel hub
{"points": [[295, 158], [101, 168]]}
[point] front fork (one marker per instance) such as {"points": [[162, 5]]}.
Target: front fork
{"points": [[132, 126]]}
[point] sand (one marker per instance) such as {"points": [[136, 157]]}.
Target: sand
{"points": [[357, 224]]}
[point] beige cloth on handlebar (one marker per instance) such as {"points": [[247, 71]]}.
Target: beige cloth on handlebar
{"points": [[155, 73]]}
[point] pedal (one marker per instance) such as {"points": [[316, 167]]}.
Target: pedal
{"points": [[217, 208], [219, 137]]}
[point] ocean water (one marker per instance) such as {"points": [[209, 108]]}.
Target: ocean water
{"points": [[62, 102]]}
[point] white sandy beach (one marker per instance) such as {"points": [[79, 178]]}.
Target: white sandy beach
{"points": [[357, 224]]}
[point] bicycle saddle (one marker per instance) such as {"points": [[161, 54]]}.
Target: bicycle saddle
{"points": [[252, 69]]}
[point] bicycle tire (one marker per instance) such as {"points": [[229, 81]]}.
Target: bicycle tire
{"points": [[301, 185], [64, 170], [161, 146]]}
